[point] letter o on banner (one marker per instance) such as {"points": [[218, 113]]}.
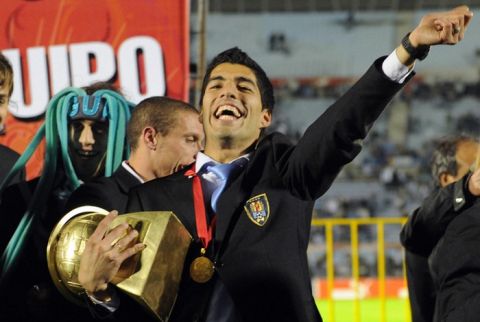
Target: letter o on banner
{"points": [[128, 67]]}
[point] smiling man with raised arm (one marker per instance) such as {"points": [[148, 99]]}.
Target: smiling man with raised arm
{"points": [[251, 228]]}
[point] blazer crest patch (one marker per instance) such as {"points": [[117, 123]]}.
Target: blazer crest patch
{"points": [[258, 209]]}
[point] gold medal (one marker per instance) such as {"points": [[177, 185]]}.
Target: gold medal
{"points": [[201, 269]]}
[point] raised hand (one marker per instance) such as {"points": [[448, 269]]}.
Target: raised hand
{"points": [[447, 27]]}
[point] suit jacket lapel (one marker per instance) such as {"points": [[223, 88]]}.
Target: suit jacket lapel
{"points": [[235, 195], [125, 180], [182, 192], [228, 204]]}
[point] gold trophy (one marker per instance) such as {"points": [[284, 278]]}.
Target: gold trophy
{"points": [[151, 277]]}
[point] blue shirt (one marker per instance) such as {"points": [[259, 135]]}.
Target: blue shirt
{"points": [[221, 307]]}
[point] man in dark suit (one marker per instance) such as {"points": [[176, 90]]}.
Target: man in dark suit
{"points": [[248, 261], [454, 265], [8, 157], [455, 190], [164, 135]]}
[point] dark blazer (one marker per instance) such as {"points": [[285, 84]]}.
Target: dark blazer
{"points": [[455, 268], [420, 234], [28, 294], [264, 267], [421, 290], [109, 193], [8, 158]]}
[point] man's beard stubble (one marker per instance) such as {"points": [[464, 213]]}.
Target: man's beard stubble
{"points": [[226, 142]]}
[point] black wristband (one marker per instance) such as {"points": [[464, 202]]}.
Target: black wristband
{"points": [[419, 52]]}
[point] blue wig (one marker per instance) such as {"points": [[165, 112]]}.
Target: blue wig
{"points": [[68, 104]]}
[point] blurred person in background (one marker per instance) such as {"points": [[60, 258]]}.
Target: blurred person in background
{"points": [[455, 262], [455, 189], [7, 155]]}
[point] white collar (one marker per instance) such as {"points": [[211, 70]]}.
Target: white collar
{"points": [[129, 168]]}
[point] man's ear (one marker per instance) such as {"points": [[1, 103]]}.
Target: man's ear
{"points": [[445, 179], [266, 118], [149, 137]]}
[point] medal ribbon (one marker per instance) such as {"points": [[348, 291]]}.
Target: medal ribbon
{"points": [[204, 231]]}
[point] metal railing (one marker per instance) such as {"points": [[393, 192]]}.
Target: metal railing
{"points": [[353, 224]]}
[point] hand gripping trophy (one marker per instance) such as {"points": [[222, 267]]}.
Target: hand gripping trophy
{"points": [[151, 278]]}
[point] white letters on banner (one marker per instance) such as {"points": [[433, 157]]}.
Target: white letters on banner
{"points": [[70, 66]]}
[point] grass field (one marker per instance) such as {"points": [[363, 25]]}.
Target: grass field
{"points": [[396, 310]]}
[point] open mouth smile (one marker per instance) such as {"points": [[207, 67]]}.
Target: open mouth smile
{"points": [[228, 113]]}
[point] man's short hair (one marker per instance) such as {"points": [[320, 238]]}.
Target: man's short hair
{"points": [[6, 74], [161, 113], [237, 56], [444, 155]]}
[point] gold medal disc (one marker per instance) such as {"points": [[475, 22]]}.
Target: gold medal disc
{"points": [[201, 269]]}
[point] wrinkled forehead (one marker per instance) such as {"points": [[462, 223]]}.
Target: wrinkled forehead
{"points": [[88, 107]]}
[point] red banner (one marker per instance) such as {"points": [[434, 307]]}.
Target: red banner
{"points": [[142, 45]]}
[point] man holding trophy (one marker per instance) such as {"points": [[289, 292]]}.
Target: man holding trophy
{"points": [[247, 200]]}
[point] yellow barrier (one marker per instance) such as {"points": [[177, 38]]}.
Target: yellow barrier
{"points": [[354, 223]]}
